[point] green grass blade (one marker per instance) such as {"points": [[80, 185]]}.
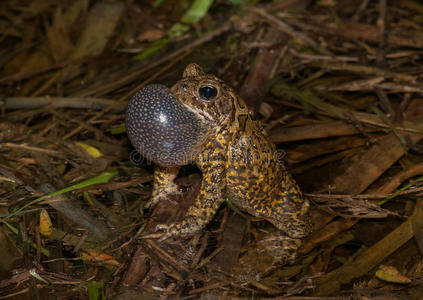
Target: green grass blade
{"points": [[398, 191], [193, 15], [102, 178], [197, 11], [95, 290], [153, 48]]}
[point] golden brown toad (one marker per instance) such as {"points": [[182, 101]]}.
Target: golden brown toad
{"points": [[201, 119]]}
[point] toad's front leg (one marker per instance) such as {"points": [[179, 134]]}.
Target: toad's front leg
{"points": [[205, 205], [163, 184]]}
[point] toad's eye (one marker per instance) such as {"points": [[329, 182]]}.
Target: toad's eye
{"points": [[207, 92]]}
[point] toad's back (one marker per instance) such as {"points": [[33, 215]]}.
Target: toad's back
{"points": [[255, 178]]}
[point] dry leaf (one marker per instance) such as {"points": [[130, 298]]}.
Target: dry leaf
{"points": [[46, 227], [92, 151], [96, 256], [391, 274]]}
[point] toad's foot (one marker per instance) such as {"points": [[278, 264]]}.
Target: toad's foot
{"points": [[161, 193], [188, 226], [281, 247]]}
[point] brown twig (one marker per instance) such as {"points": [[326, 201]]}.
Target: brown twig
{"points": [[169, 258], [62, 102], [210, 287], [151, 65], [368, 258], [367, 70], [359, 10], [134, 75], [287, 29]]}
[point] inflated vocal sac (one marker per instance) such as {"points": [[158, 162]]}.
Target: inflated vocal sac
{"points": [[161, 128]]}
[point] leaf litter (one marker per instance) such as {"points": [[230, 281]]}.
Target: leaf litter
{"points": [[338, 85]]}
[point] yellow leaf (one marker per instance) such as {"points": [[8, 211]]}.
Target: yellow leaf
{"points": [[94, 255], [45, 223], [391, 274], [92, 151]]}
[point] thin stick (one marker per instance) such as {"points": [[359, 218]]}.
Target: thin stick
{"points": [[134, 75], [287, 29]]}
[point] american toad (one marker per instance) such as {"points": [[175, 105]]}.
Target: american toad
{"points": [[201, 119]]}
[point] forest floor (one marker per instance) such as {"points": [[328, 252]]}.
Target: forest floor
{"points": [[337, 85]]}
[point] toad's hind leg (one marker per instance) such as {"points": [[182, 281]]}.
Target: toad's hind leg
{"points": [[286, 208], [288, 211], [282, 248]]}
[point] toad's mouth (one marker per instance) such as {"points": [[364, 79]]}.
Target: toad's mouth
{"points": [[205, 100]]}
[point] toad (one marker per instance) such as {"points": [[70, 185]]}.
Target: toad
{"points": [[200, 119]]}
